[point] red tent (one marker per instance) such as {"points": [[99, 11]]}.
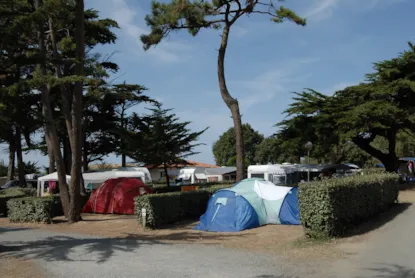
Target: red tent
{"points": [[116, 196]]}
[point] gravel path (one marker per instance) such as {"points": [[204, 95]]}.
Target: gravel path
{"points": [[389, 253], [64, 255]]}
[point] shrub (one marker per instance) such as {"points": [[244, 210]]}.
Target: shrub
{"points": [[6, 195], [172, 207], [31, 209], [330, 207], [159, 189], [36, 209]]}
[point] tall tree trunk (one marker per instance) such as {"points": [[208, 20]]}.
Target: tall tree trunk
{"points": [[122, 143], [19, 154], [232, 104], [76, 174], [50, 154], [123, 160], [389, 160], [67, 101], [50, 129], [10, 169], [166, 174], [67, 154]]}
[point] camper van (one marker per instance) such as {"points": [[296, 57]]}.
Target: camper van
{"points": [[275, 173], [188, 176]]}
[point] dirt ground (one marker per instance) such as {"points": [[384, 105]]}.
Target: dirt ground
{"points": [[21, 268], [288, 241]]}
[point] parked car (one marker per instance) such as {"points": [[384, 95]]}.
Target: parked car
{"points": [[15, 184]]}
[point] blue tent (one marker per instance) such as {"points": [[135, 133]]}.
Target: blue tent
{"points": [[249, 204]]}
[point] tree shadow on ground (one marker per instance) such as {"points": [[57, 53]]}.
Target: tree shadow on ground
{"points": [[185, 236], [379, 220], [59, 248], [391, 271]]}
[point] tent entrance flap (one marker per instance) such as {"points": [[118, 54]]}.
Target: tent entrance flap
{"points": [[214, 215]]}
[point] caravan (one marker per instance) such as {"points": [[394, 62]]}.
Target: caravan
{"points": [[278, 174], [189, 176]]}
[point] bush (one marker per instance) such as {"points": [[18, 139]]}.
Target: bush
{"points": [[172, 207], [158, 189], [329, 208], [31, 209], [7, 194], [36, 209]]}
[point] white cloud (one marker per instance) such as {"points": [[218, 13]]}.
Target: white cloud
{"points": [[265, 86], [321, 9], [324, 9], [127, 18]]}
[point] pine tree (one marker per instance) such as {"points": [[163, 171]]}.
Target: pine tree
{"points": [[218, 14], [162, 139]]}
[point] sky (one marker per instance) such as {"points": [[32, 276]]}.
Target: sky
{"points": [[265, 61]]}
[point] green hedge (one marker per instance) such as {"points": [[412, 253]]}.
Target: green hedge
{"points": [[8, 194], [169, 208], [31, 209], [160, 189], [329, 208], [36, 209]]}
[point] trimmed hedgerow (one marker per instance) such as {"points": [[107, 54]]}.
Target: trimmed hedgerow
{"points": [[31, 209], [329, 208], [168, 208], [8, 194], [168, 189], [36, 209]]}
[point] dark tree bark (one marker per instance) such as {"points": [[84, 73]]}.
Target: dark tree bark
{"points": [[67, 154], [166, 174], [76, 174], [232, 104], [12, 152], [389, 160], [50, 129], [50, 155], [19, 154]]}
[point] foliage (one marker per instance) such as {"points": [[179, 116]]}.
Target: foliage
{"points": [[161, 139], [31, 209], [168, 208], [208, 185], [331, 207], [373, 116], [224, 148], [269, 150], [8, 194]]}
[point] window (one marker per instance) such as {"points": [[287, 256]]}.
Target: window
{"points": [[261, 176], [279, 179]]}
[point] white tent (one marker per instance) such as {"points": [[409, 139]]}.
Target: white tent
{"points": [[95, 179], [51, 177]]}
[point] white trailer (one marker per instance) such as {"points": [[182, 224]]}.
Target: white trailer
{"points": [[275, 173], [191, 176]]}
